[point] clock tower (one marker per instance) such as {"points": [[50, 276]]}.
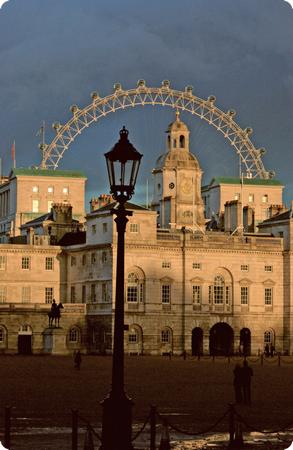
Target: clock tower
{"points": [[177, 182]]}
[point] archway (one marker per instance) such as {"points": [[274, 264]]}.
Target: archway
{"points": [[249, 156], [25, 340], [221, 339], [245, 341], [197, 341]]}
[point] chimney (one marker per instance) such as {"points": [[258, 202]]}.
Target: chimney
{"points": [[102, 200]]}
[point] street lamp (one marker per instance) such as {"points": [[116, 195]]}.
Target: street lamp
{"points": [[122, 163]]}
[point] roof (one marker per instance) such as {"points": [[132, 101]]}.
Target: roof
{"points": [[38, 220], [73, 238], [249, 181], [47, 173], [113, 205], [282, 216]]}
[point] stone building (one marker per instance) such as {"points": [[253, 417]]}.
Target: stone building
{"points": [[187, 287]]}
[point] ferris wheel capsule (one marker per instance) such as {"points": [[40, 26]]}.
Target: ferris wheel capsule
{"points": [[166, 84], [189, 89], [248, 131], [95, 95], [212, 99], [117, 87], [56, 126], [74, 109], [261, 151], [141, 83], [231, 113]]}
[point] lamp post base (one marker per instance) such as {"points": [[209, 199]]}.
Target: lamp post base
{"points": [[117, 422]]}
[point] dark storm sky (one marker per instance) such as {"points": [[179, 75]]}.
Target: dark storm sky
{"points": [[54, 53]]}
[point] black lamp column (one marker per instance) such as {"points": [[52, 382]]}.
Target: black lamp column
{"points": [[122, 164]]}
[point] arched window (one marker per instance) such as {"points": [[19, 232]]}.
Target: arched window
{"points": [[166, 336], [133, 336], [135, 288], [73, 335], [268, 337], [182, 141]]}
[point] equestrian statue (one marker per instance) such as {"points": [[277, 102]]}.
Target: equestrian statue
{"points": [[55, 314]]}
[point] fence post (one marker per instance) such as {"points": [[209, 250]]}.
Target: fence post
{"points": [[165, 439], [153, 427], [74, 445], [7, 426], [279, 360], [229, 359], [261, 359], [231, 425], [213, 358], [88, 440]]}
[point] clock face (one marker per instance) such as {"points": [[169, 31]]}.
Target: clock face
{"points": [[171, 185], [186, 186]]}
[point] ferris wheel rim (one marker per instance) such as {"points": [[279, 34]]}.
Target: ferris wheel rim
{"points": [[142, 95]]}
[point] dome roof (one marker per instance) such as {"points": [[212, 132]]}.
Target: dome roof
{"points": [[177, 124], [177, 158]]}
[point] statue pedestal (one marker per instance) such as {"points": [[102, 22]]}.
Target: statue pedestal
{"points": [[55, 341]]}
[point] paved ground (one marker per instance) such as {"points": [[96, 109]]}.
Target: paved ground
{"points": [[192, 394]]}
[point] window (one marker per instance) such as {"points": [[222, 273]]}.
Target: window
{"points": [[132, 288], [2, 262], [73, 261], [268, 268], [166, 293], [93, 258], [93, 293], [268, 337], [237, 196], [219, 290], [35, 189], [134, 228], [2, 294], [174, 143], [196, 266], [104, 257], [25, 262], [49, 263], [83, 293], [196, 295], [73, 335], [268, 296], [250, 198], [165, 336], [50, 189], [104, 292], [166, 265], [26, 294], [35, 206], [72, 294], [132, 337], [244, 267], [182, 141], [49, 294], [244, 295], [50, 204], [210, 294], [83, 260], [265, 198], [65, 191], [105, 227], [227, 295], [94, 229]]}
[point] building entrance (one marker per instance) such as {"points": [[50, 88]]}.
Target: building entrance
{"points": [[197, 342], [221, 339], [25, 340], [245, 342]]}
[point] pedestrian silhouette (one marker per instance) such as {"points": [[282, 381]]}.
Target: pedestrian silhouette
{"points": [[267, 350], [238, 383], [77, 360], [246, 373]]}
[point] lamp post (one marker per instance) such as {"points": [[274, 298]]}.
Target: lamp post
{"points": [[122, 163]]}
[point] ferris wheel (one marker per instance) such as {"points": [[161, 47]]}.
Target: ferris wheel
{"points": [[250, 158]]}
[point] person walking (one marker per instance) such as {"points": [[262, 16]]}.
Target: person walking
{"points": [[246, 374], [238, 383]]}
